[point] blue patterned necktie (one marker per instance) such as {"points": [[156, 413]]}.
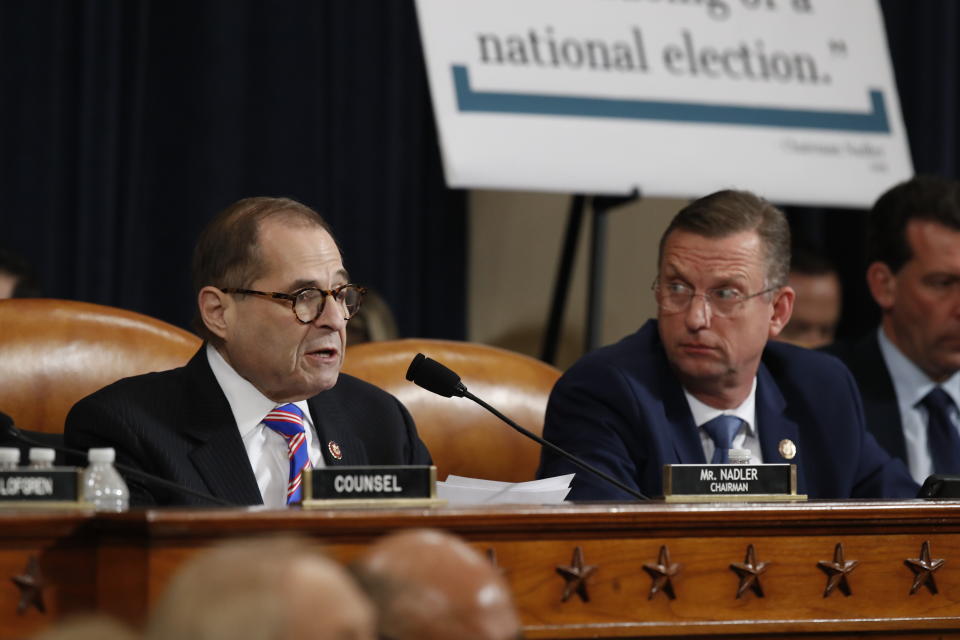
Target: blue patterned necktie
{"points": [[288, 422], [942, 439], [722, 430]]}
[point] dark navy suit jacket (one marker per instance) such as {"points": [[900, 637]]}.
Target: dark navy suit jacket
{"points": [[178, 425], [881, 409], [622, 409]]}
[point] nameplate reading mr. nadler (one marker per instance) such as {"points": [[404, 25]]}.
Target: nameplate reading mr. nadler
{"points": [[730, 482], [350, 483]]}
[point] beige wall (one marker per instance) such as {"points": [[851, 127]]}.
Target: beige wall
{"points": [[515, 244]]}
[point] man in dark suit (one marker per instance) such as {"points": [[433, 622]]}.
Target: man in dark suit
{"points": [[263, 398], [702, 379], [907, 369]]}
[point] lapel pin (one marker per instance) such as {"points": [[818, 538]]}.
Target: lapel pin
{"points": [[338, 455], [787, 449]]}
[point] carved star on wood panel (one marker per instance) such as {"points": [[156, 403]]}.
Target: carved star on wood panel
{"points": [[31, 585], [749, 573], [923, 569], [576, 576], [662, 571], [837, 572]]}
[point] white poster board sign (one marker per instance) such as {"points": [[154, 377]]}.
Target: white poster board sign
{"points": [[792, 99]]}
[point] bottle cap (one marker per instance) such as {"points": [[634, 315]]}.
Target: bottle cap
{"points": [[105, 454], [42, 454], [9, 455], [739, 456]]}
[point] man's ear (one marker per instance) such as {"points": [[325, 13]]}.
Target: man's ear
{"points": [[883, 284], [215, 310], [782, 309]]}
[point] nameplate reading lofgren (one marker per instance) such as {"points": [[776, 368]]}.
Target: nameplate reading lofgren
{"points": [[58, 484], [730, 482], [380, 484]]}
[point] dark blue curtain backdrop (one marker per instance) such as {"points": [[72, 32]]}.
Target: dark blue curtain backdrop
{"points": [[126, 124], [926, 60]]}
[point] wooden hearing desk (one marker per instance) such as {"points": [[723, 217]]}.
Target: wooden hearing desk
{"points": [[900, 561]]}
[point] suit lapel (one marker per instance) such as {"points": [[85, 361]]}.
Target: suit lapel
{"points": [[333, 430], [219, 457], [880, 406], [685, 436], [775, 427]]}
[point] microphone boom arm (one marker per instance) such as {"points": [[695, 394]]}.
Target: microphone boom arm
{"points": [[545, 443]]}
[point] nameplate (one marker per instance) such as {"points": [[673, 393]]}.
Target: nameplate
{"points": [[59, 484], [380, 483], [727, 482]]}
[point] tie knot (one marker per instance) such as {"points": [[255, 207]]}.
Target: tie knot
{"points": [[722, 430], [938, 400], [286, 420]]}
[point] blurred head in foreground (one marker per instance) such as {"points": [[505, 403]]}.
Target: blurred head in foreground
{"points": [[430, 585], [265, 589], [88, 627]]}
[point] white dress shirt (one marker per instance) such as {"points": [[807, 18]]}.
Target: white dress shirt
{"points": [[266, 448], [911, 385], [746, 438]]}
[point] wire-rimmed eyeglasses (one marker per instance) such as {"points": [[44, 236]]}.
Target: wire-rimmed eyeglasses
{"points": [[675, 297], [308, 303]]}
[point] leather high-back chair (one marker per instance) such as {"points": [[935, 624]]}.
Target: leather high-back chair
{"points": [[463, 438], [54, 352]]}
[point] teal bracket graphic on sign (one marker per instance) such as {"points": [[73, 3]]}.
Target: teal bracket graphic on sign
{"points": [[875, 121]]}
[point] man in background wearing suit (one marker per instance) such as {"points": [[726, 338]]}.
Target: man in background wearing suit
{"points": [[907, 369], [263, 397], [703, 378]]}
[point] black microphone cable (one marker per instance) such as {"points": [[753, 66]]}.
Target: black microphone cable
{"points": [[149, 478], [433, 376]]}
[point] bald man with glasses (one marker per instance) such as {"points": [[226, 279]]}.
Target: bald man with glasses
{"points": [[263, 399], [703, 379]]}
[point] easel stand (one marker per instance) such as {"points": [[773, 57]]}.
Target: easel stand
{"points": [[600, 206]]}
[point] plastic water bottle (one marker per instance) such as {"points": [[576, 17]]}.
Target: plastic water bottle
{"points": [[41, 458], [102, 485], [739, 456], [9, 458]]}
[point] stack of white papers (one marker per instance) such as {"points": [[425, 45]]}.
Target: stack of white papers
{"points": [[460, 490]]}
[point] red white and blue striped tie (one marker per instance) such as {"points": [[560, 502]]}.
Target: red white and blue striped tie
{"points": [[288, 422]]}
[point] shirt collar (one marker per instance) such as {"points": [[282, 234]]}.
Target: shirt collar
{"points": [[747, 410], [248, 404], [910, 383]]}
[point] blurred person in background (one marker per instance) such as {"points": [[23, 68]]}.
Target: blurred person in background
{"points": [[16, 277], [816, 310], [908, 368]]}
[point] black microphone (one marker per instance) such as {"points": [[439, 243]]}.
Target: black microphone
{"points": [[6, 425], [435, 377]]}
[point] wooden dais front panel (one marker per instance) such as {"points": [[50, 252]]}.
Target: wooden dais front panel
{"points": [[47, 569], [584, 571]]}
